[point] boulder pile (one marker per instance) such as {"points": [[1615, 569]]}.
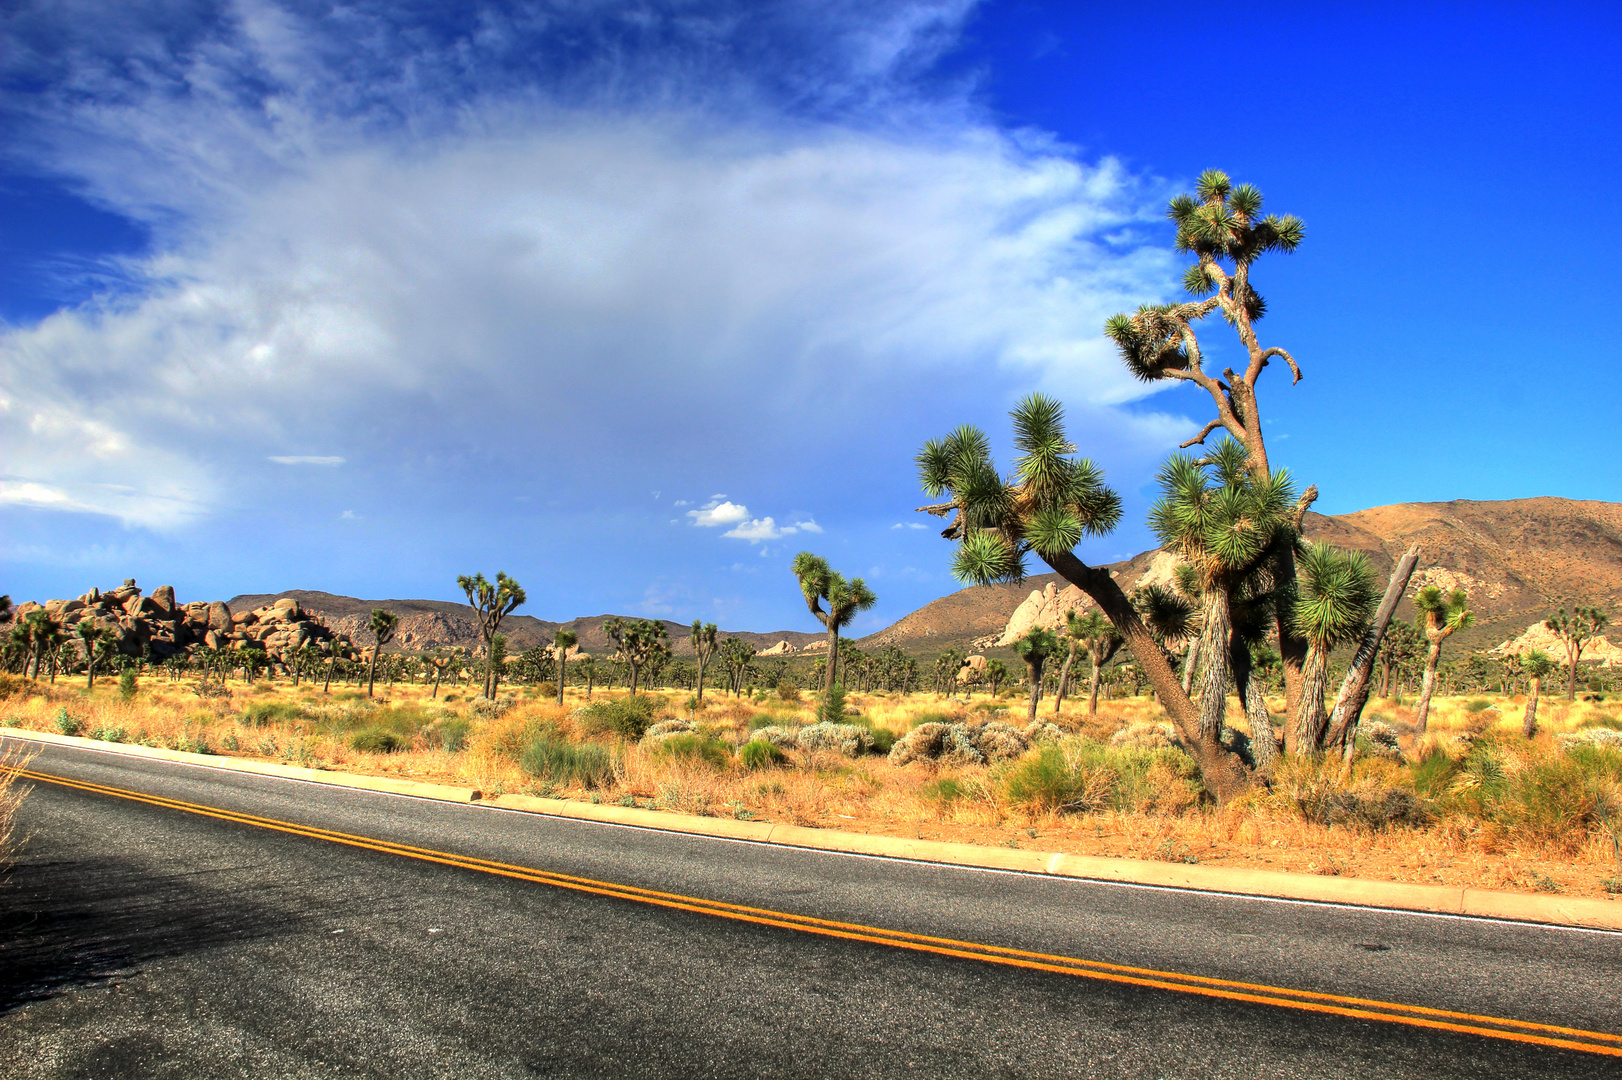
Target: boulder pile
{"points": [[159, 625]]}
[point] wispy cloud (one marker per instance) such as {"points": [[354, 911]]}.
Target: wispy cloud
{"points": [[760, 529], [306, 460]]}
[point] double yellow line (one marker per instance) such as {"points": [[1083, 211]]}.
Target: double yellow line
{"points": [[1594, 1042]]}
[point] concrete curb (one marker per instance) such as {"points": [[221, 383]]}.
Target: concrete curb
{"points": [[1272, 884]]}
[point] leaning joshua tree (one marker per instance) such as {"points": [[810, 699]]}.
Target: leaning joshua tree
{"points": [[1338, 592], [821, 585], [490, 603], [382, 625], [1444, 614], [703, 639], [1575, 631]]}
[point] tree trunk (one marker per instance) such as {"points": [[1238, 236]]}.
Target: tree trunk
{"points": [[833, 656], [1035, 669], [1064, 678], [1574, 655], [1529, 726], [1252, 697], [1311, 721], [1222, 772], [563, 671], [1214, 650], [371, 674], [435, 695], [1092, 688], [1191, 659], [1422, 711], [326, 687], [700, 677], [1354, 691], [1292, 649]]}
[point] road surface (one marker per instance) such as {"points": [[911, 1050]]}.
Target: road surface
{"points": [[170, 920]]}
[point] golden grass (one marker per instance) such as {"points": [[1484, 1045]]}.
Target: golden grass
{"points": [[1267, 829]]}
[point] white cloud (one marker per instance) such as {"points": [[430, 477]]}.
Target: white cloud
{"points": [[907, 525], [725, 513], [606, 262]]}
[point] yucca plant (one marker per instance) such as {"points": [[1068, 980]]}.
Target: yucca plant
{"points": [[819, 584], [1442, 615], [1337, 592], [1224, 525], [1035, 647], [1538, 665], [382, 625], [1092, 634]]}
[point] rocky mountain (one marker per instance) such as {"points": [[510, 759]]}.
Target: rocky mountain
{"points": [[1519, 559], [432, 624]]}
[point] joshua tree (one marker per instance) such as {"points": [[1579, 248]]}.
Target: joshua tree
{"points": [[383, 624], [491, 603], [996, 674], [1338, 593], [640, 642], [819, 584], [1584, 624], [496, 662], [439, 662], [1444, 614], [703, 639], [736, 655], [1399, 648], [1538, 665], [563, 641], [1093, 634], [947, 665], [1223, 524], [587, 666], [1034, 647]]}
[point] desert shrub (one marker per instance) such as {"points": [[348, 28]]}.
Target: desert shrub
{"points": [[943, 791], [562, 762], [760, 754], [1433, 774], [1478, 705], [883, 737], [1369, 797], [833, 706], [997, 741], [777, 736], [378, 740], [933, 741], [68, 724], [448, 733], [548, 690], [847, 739], [627, 717], [9, 685], [1556, 802], [787, 690], [128, 684], [665, 728], [349, 695], [1587, 737], [110, 734], [1379, 739], [1146, 736], [1049, 780], [694, 748], [260, 713]]}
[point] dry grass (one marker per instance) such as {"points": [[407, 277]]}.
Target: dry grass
{"points": [[1126, 800]]}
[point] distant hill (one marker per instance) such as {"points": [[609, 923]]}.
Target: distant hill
{"points": [[1519, 559], [430, 624]]}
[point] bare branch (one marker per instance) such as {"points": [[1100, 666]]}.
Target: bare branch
{"points": [[939, 509], [1308, 497], [1200, 438], [1288, 359]]}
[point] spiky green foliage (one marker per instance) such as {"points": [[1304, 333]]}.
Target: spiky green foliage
{"points": [[1537, 664], [1338, 592], [382, 625], [1217, 518], [639, 642], [1052, 501], [1169, 616]]}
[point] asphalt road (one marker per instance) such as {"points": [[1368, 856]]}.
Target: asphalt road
{"points": [[141, 940]]}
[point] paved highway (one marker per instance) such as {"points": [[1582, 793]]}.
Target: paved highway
{"points": [[168, 920]]}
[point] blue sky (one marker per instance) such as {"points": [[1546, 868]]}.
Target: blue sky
{"points": [[636, 300]]}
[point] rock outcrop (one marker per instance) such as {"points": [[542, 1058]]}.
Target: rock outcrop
{"points": [[160, 626], [1596, 650]]}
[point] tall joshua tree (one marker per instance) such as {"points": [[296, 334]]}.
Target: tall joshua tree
{"points": [[1034, 647], [562, 642], [1222, 226], [1575, 631], [383, 624], [703, 639], [1443, 615], [821, 585], [491, 602], [1338, 592], [1538, 666]]}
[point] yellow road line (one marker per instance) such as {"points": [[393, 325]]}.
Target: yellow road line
{"points": [[1254, 993]]}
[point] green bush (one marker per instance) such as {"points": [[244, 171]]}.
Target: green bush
{"points": [[696, 749], [548, 690], [562, 762], [128, 684], [449, 733], [378, 740], [1047, 779], [1557, 801], [833, 706], [260, 713], [1478, 705], [944, 792], [66, 724], [627, 717], [788, 690], [110, 734], [760, 754]]}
